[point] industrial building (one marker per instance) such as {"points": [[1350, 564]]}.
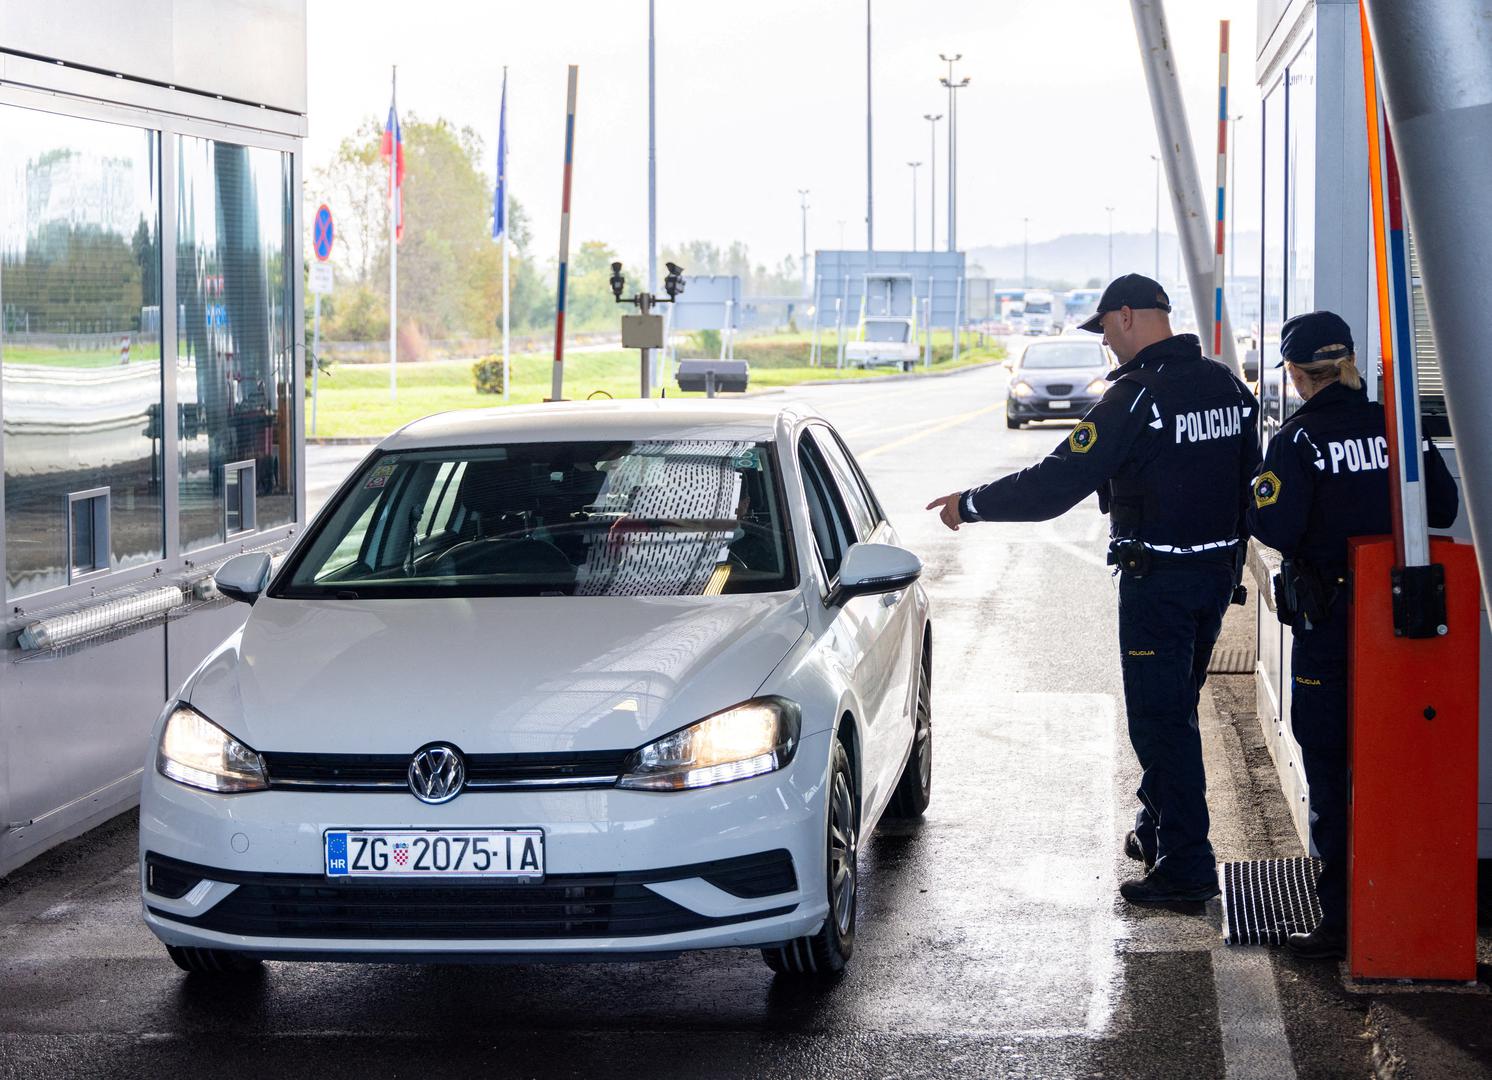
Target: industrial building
{"points": [[151, 370]]}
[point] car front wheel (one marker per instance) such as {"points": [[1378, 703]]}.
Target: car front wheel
{"points": [[914, 789], [825, 954]]}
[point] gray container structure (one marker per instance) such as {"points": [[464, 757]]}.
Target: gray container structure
{"points": [[150, 163], [1317, 254]]}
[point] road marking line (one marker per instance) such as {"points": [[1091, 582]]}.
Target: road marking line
{"points": [[935, 427]]}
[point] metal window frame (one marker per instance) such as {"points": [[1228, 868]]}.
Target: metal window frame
{"points": [[247, 494], [72, 92], [102, 540]]}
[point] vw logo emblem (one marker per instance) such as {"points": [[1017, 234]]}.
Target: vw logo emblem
{"points": [[436, 773]]}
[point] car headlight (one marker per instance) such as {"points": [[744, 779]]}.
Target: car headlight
{"points": [[196, 752], [749, 739], [1098, 386], [1021, 389]]}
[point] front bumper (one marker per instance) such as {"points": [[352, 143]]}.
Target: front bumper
{"points": [[1039, 407], [628, 873]]}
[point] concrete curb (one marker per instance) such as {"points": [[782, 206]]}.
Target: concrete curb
{"points": [[371, 440]]}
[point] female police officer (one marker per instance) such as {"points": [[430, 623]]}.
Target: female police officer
{"points": [[1325, 478]]}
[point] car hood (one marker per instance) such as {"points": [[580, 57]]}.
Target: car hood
{"points": [[509, 675], [1077, 377]]}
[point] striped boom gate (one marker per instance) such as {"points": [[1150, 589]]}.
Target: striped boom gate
{"points": [[557, 385], [1222, 188]]}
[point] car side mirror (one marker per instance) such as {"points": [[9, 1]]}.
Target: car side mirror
{"points": [[874, 568], [243, 577]]}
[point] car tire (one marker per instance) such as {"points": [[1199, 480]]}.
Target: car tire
{"points": [[914, 790], [197, 961], [823, 956]]}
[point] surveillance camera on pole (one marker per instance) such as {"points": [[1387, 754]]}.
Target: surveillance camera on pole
{"points": [[644, 330]]}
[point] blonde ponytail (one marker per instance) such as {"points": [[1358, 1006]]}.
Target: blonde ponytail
{"points": [[1328, 369], [1347, 373]]}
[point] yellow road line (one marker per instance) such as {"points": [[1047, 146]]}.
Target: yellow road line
{"points": [[932, 429]]}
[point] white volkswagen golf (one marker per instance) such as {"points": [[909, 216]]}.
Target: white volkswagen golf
{"points": [[599, 680]]}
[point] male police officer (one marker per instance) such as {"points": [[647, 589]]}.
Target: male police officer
{"points": [[1324, 479], [1170, 449]]}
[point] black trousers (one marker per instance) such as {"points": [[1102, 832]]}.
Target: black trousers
{"points": [[1318, 719], [1168, 623]]}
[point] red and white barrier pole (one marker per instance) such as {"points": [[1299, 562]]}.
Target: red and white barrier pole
{"points": [[557, 386], [1222, 188]]}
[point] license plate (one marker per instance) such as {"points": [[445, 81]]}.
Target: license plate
{"points": [[512, 854], [1059, 404]]}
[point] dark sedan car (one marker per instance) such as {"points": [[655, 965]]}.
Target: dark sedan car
{"points": [[1057, 380]]}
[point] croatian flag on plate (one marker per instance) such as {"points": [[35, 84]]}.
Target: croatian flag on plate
{"points": [[393, 153]]}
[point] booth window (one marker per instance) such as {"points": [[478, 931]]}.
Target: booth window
{"points": [[234, 364], [87, 533], [80, 330], [238, 497]]}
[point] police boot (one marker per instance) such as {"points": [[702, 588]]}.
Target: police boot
{"points": [[1158, 887], [1323, 943], [1136, 851]]}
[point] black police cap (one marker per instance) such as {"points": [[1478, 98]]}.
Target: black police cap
{"points": [[1132, 291], [1317, 335]]}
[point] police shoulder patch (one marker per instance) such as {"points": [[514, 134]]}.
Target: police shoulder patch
{"points": [[1266, 490], [1083, 437]]}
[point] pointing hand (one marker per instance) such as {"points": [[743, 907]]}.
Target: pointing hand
{"points": [[947, 508]]}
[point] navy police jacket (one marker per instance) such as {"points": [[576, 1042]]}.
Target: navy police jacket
{"points": [[1170, 448], [1326, 478]]}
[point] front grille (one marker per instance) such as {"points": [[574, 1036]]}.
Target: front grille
{"points": [[390, 772], [1059, 389], [564, 906]]}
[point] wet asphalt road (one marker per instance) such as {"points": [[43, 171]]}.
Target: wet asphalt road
{"points": [[991, 938]]}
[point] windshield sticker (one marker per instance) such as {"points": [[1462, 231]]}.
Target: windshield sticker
{"points": [[380, 477], [747, 460]]}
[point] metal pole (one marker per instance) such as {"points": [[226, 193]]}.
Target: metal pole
{"points": [[394, 196], [1026, 251], [315, 360], [870, 222], [932, 183], [1156, 158], [952, 148], [1110, 209], [914, 165], [557, 379], [803, 269], [652, 161], [1435, 66], [1174, 135]]}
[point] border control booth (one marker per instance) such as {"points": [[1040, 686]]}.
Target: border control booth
{"points": [[151, 370], [1317, 253]]}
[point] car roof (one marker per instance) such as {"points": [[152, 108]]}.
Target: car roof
{"points": [[587, 420]]}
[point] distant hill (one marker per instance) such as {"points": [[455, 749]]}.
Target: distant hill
{"points": [[1077, 259]]}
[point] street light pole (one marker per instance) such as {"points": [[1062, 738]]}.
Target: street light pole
{"points": [[870, 227], [932, 183], [803, 264], [652, 161], [914, 165], [1110, 209], [1156, 158], [952, 146], [1026, 252]]}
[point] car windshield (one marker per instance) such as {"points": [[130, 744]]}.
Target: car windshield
{"points": [[1040, 307], [1067, 354], [659, 518]]}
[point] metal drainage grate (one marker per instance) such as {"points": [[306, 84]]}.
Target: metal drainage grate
{"points": [[1266, 901], [1232, 660]]}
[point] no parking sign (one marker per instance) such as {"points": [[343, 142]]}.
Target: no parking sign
{"points": [[323, 233]]}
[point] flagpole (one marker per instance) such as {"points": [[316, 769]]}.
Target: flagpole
{"points": [[394, 254], [502, 167]]}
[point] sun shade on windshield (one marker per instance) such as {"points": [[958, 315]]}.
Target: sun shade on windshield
{"points": [[655, 518]]}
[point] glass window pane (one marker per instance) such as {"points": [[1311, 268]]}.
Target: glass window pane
{"points": [[80, 316], [825, 513], [83, 553], [851, 493], [234, 366], [1272, 379]]}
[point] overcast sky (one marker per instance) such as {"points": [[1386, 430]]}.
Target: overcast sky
{"points": [[759, 99]]}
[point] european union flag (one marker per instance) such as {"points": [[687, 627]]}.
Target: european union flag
{"points": [[500, 192]]}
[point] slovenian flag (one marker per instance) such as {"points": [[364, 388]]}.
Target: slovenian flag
{"points": [[499, 193], [393, 153]]}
